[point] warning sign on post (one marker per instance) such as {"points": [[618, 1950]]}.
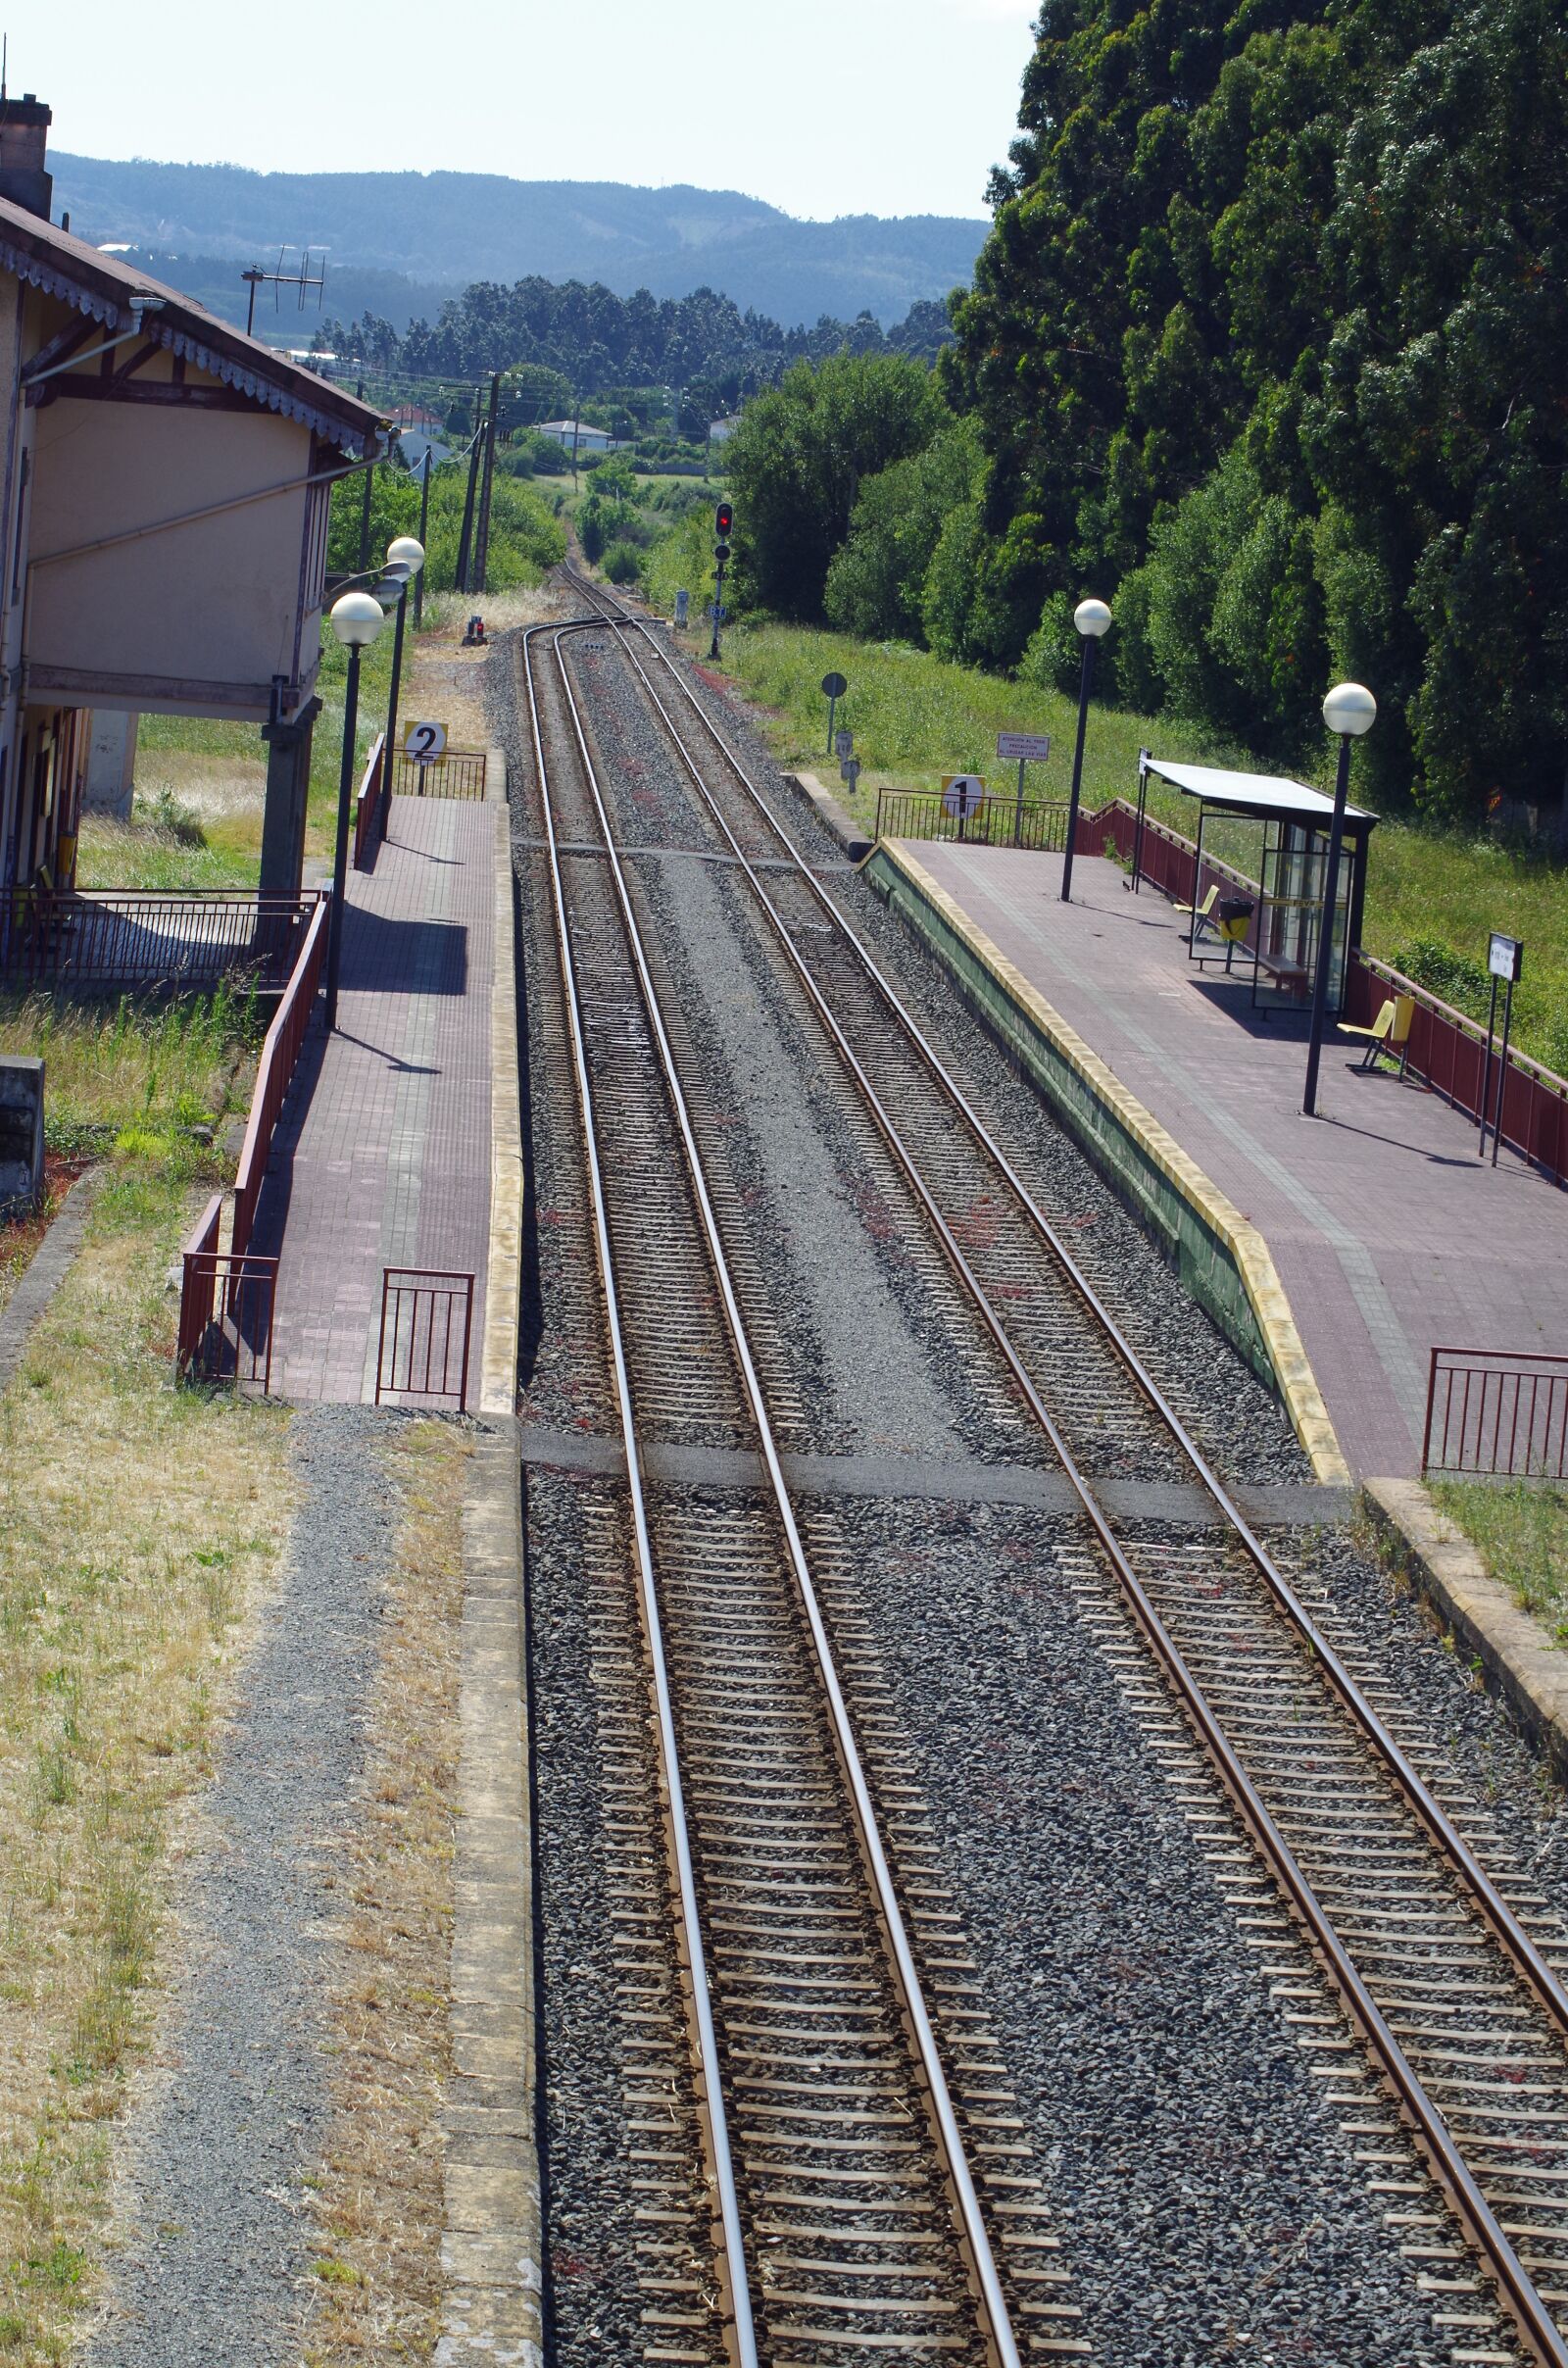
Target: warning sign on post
{"points": [[1023, 748]]}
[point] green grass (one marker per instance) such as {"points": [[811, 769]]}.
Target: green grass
{"points": [[915, 718], [130, 1081], [1521, 1533]]}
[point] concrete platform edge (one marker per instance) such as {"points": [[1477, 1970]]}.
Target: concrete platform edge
{"points": [[1517, 1662], [493, 2240], [46, 1270], [503, 1297], [1223, 1260], [857, 843]]}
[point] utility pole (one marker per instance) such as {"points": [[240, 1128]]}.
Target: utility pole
{"points": [[576, 424], [481, 535], [465, 538], [425, 521], [365, 505]]}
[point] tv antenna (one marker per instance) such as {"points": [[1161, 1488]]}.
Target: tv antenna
{"points": [[303, 279]]}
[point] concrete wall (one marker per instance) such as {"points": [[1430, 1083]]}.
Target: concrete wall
{"points": [[110, 784], [193, 619]]}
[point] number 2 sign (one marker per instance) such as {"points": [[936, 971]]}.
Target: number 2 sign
{"points": [[425, 743]]}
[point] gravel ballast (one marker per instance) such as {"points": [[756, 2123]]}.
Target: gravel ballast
{"points": [[212, 2214], [1207, 2199]]}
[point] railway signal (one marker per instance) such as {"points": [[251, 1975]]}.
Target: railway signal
{"points": [[723, 521]]}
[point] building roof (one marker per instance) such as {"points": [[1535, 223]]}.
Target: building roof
{"points": [[572, 427], [103, 286], [1260, 795]]}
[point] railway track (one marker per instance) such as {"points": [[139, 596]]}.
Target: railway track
{"points": [[839, 2084], [1411, 1908]]}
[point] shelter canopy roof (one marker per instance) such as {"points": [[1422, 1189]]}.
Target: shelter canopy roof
{"points": [[1264, 796]]}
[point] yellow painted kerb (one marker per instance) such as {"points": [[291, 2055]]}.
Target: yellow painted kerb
{"points": [[503, 1292], [1297, 1382]]}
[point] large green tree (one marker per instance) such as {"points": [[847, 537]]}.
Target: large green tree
{"points": [[1266, 345], [797, 463]]}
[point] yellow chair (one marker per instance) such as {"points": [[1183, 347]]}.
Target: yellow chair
{"points": [[1204, 910], [1390, 1032]]}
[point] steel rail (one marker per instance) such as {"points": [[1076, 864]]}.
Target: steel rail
{"points": [[995, 2315], [1505, 1926], [1448, 2166], [737, 2276]]}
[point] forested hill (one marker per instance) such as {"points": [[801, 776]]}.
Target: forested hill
{"points": [[702, 345], [456, 227], [1267, 347]]}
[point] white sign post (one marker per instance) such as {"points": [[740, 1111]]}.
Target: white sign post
{"points": [[1021, 747], [962, 795], [1505, 959]]}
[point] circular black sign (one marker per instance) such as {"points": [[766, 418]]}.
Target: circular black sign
{"points": [[834, 686]]}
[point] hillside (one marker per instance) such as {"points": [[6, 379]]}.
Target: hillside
{"points": [[448, 228]]}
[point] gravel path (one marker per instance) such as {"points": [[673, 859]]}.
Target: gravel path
{"points": [[211, 2208]]}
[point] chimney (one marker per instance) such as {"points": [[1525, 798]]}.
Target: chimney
{"points": [[24, 143]]}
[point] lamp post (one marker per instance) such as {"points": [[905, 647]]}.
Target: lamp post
{"points": [[1350, 711], [405, 557], [1093, 618], [357, 618]]}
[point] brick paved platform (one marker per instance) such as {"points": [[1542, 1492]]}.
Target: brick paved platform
{"points": [[1387, 1234], [382, 1157]]}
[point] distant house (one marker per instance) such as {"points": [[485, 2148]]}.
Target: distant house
{"points": [[720, 431], [570, 433], [166, 481]]}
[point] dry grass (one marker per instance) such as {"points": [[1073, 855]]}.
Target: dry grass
{"points": [[136, 1526], [377, 2268]]}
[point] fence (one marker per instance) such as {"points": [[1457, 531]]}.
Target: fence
{"points": [[370, 806], [460, 774], [275, 1072], [1447, 1050], [226, 1306], [997, 822], [1497, 1415], [105, 938], [418, 1355]]}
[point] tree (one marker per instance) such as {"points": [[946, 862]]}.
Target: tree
{"points": [[876, 582], [796, 461]]}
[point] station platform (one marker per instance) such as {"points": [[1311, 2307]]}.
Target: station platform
{"points": [[1388, 1235], [382, 1156]]}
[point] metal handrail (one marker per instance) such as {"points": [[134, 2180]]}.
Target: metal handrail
{"points": [[1532, 2314]]}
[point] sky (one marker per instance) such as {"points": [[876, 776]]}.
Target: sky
{"points": [[822, 107]]}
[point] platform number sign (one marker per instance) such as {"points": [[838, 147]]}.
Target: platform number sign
{"points": [[962, 795], [425, 743]]}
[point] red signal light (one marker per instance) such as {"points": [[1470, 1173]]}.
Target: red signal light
{"points": [[725, 519]]}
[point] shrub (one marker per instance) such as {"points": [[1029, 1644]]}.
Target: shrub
{"points": [[1458, 978], [591, 531], [622, 564]]}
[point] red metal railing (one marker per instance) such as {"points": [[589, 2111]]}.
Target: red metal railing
{"points": [[1447, 1050], [427, 1319], [228, 1336], [117, 937], [275, 1072], [198, 1285], [459, 773], [370, 806], [1494, 1413]]}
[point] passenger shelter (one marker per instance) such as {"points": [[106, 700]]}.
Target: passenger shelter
{"points": [[1282, 929]]}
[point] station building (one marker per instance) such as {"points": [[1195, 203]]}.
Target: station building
{"points": [[166, 488]]}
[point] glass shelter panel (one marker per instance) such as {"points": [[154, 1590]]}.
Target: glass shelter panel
{"points": [[1294, 861]]}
